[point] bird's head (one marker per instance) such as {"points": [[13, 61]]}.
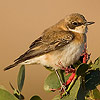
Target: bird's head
{"points": [[77, 23]]}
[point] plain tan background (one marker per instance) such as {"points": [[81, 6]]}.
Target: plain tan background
{"points": [[22, 21]]}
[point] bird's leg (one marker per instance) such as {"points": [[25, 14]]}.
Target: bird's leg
{"points": [[60, 65], [67, 70], [70, 86], [62, 86]]}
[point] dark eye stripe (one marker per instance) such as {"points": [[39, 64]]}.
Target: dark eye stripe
{"points": [[79, 24], [74, 24]]}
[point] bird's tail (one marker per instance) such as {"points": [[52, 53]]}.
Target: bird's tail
{"points": [[11, 66]]}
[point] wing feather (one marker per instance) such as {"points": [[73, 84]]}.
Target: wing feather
{"points": [[43, 45]]}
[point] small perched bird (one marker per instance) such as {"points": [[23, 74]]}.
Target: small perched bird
{"points": [[62, 42]]}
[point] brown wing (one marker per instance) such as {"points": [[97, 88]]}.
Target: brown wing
{"points": [[49, 41]]}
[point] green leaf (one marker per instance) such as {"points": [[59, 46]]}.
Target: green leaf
{"points": [[5, 95], [96, 64], [57, 97], [92, 79], [82, 69], [73, 92], [94, 67], [2, 87], [21, 77], [81, 93], [97, 61], [96, 93], [52, 81], [93, 95], [35, 98]]}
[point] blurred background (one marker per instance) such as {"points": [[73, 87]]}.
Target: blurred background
{"points": [[22, 21]]}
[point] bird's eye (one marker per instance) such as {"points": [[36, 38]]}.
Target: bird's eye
{"points": [[75, 23]]}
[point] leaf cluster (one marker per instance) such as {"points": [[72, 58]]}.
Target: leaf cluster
{"points": [[84, 86]]}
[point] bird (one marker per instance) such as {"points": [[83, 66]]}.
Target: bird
{"points": [[62, 42]]}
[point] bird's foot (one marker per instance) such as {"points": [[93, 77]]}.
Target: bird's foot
{"points": [[64, 94], [62, 90]]}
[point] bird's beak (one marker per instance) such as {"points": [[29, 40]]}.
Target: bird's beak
{"points": [[89, 23]]}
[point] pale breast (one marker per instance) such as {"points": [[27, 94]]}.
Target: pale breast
{"points": [[66, 56]]}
